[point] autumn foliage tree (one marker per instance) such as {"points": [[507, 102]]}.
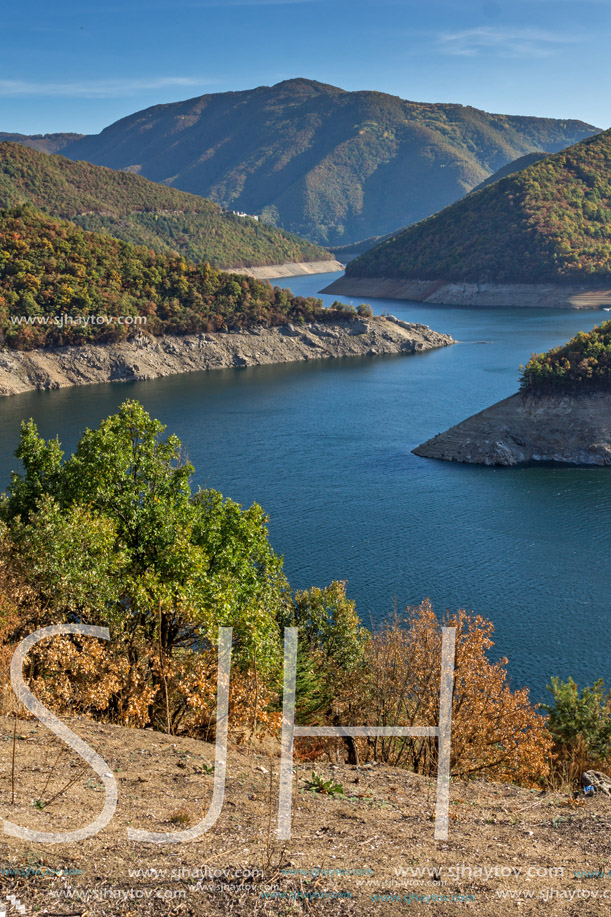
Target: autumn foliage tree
{"points": [[496, 732], [51, 268], [582, 364]]}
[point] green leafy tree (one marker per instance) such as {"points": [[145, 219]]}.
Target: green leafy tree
{"points": [[69, 558], [129, 543], [580, 716], [41, 461], [329, 625]]}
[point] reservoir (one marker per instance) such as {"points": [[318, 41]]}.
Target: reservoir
{"points": [[325, 448]]}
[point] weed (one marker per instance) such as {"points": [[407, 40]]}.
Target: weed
{"points": [[181, 817], [326, 787]]}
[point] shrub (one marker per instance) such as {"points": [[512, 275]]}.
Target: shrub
{"points": [[495, 731], [580, 724], [343, 309], [325, 787]]}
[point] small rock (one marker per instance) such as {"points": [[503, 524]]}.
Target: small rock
{"points": [[601, 782]]}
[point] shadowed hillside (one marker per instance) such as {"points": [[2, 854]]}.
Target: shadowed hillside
{"points": [[523, 162], [334, 166], [44, 143]]}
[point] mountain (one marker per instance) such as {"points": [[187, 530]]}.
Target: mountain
{"points": [[523, 162], [334, 166], [44, 143], [549, 223], [347, 253], [136, 210], [62, 285]]}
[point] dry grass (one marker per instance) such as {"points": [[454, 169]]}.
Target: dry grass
{"points": [[382, 823], [182, 817]]}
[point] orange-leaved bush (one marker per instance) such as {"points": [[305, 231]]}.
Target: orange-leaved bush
{"points": [[81, 675], [496, 732]]}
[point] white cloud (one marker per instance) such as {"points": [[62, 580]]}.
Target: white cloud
{"points": [[95, 89], [502, 41]]}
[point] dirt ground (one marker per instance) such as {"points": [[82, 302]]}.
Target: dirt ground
{"points": [[370, 851]]}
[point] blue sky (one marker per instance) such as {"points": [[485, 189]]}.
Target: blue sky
{"points": [[74, 66]]}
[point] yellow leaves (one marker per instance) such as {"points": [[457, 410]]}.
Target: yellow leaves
{"points": [[86, 677]]}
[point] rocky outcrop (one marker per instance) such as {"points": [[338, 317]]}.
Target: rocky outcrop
{"points": [[533, 295], [145, 357], [292, 269], [559, 428]]}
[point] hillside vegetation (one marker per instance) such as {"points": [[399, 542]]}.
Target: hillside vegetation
{"points": [[136, 210], [583, 363], [334, 166], [51, 268], [550, 222], [117, 534], [522, 162]]}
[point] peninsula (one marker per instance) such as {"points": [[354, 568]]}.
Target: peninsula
{"points": [[147, 357], [79, 307], [540, 237], [562, 413]]}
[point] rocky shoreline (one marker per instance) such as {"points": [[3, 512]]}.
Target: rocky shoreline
{"points": [[146, 357], [439, 292], [291, 269], [558, 428]]}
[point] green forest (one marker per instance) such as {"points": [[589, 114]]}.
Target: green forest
{"points": [[51, 267], [143, 212], [550, 222], [582, 363]]}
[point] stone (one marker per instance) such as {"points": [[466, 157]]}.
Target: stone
{"points": [[141, 357], [601, 782]]}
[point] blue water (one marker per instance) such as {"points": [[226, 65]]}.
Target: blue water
{"points": [[325, 447]]}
